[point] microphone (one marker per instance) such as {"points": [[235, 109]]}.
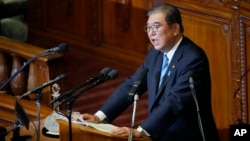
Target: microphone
{"points": [[103, 73], [133, 95], [191, 85], [60, 48], [111, 75], [190, 79], [46, 84], [137, 83]]}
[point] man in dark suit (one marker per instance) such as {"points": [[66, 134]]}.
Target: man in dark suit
{"points": [[172, 109]]}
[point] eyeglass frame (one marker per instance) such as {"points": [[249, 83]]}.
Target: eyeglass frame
{"points": [[154, 27]]}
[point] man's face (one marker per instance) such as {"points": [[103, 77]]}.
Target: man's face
{"points": [[161, 35]]}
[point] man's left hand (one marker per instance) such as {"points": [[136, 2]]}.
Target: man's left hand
{"points": [[125, 131]]}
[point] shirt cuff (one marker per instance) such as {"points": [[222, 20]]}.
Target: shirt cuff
{"points": [[100, 115], [140, 129]]}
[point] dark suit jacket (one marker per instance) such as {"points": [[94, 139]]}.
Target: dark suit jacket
{"points": [[171, 108]]}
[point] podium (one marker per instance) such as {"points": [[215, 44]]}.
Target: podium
{"points": [[84, 133]]}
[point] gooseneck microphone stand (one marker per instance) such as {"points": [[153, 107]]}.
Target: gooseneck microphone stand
{"points": [[69, 116], [136, 98], [24, 66], [70, 101], [38, 94], [38, 104], [133, 93], [191, 81], [74, 96], [61, 48], [38, 109]]}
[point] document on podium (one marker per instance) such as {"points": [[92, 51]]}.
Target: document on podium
{"points": [[104, 127], [52, 127]]}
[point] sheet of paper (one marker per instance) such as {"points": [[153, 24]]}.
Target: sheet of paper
{"points": [[104, 127]]}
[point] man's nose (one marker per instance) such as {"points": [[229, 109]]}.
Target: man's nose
{"points": [[151, 33]]}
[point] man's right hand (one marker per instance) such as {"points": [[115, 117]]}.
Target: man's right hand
{"points": [[90, 118]]}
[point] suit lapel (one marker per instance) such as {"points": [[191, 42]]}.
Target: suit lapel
{"points": [[170, 72], [173, 66], [157, 72]]}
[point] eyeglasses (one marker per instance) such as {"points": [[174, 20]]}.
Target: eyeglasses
{"points": [[153, 28]]}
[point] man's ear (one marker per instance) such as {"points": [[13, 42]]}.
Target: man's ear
{"points": [[176, 28]]}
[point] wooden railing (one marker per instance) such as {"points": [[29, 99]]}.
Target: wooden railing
{"points": [[13, 55]]}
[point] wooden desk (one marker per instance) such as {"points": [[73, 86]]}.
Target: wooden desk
{"points": [[83, 133], [80, 133]]}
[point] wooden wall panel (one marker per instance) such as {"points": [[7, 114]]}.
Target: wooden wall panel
{"points": [[242, 97], [248, 65], [240, 64], [67, 18], [122, 26], [73, 19], [112, 29]]}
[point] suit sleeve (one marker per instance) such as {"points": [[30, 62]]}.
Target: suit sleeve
{"points": [[118, 101]]}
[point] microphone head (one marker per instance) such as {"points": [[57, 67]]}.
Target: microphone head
{"points": [[62, 47], [105, 71], [62, 76], [190, 73], [113, 74]]}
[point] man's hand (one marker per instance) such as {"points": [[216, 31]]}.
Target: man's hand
{"points": [[90, 118], [125, 131]]}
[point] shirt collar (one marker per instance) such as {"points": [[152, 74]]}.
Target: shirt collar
{"points": [[171, 52]]}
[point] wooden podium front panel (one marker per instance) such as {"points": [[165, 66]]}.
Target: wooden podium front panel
{"points": [[84, 133]]}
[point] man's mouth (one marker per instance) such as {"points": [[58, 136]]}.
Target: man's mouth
{"points": [[154, 41]]}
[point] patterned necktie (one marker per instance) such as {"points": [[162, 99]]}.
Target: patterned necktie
{"points": [[163, 68]]}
